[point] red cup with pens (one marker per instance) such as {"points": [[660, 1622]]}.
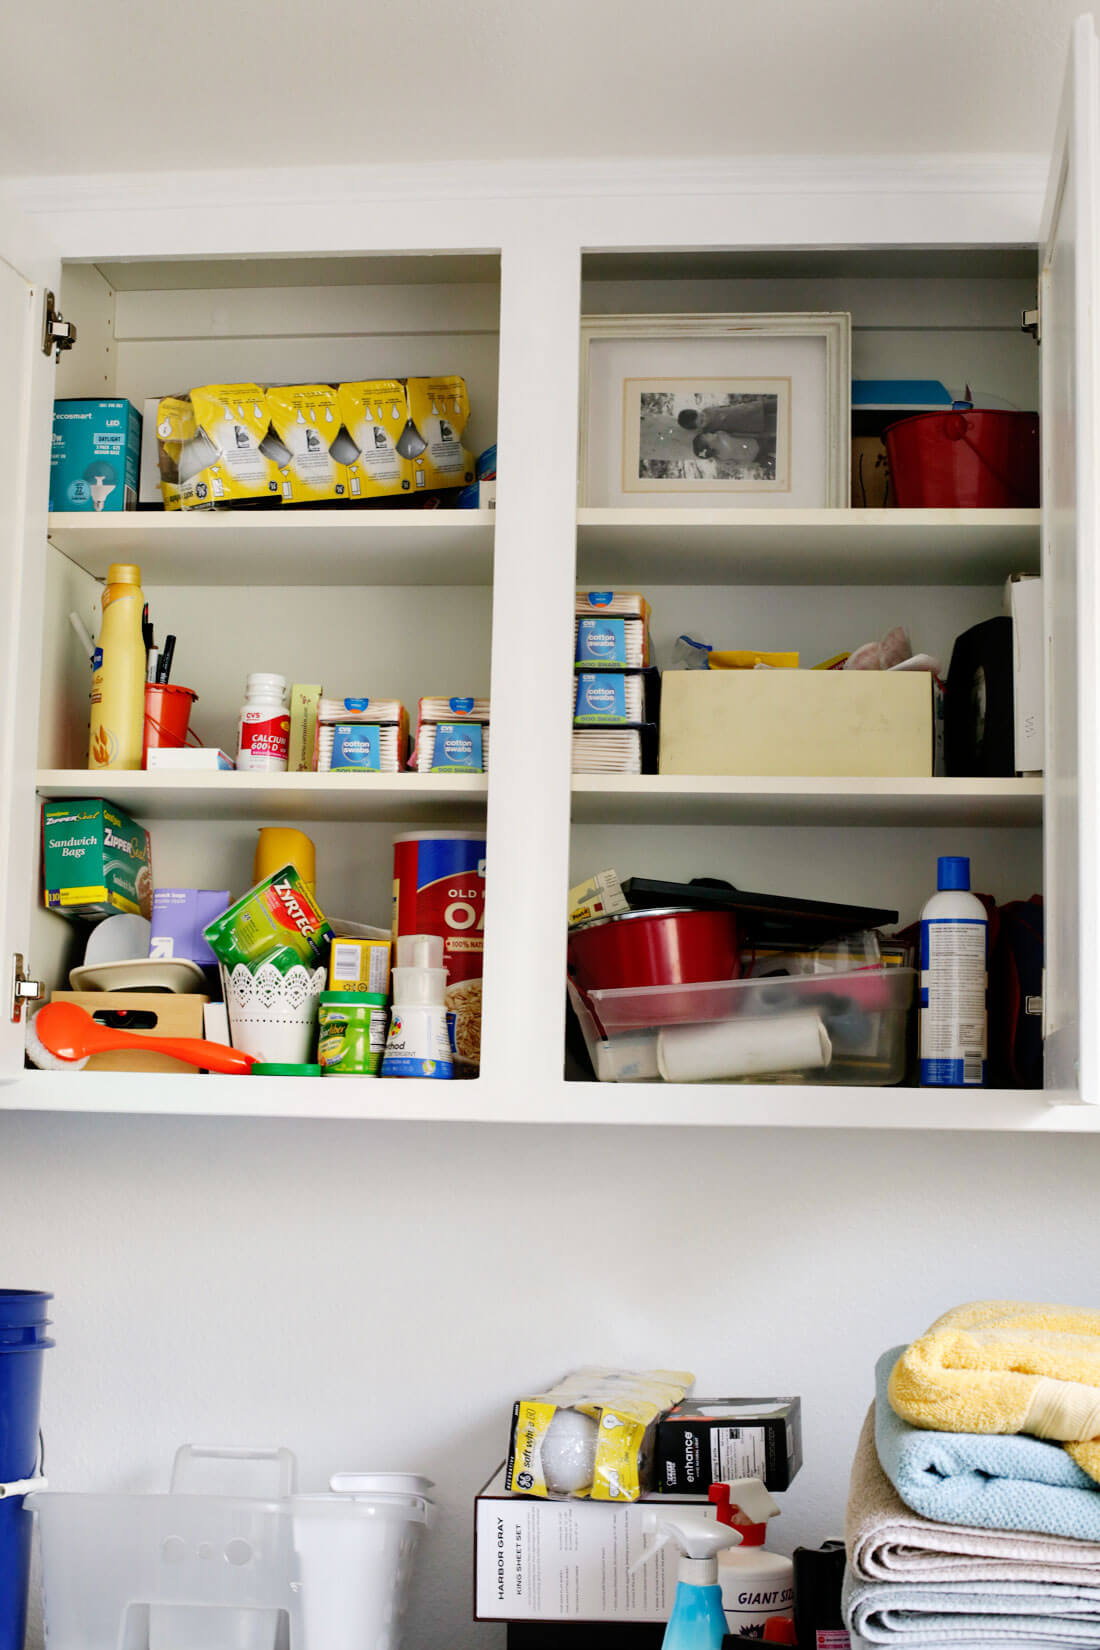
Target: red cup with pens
{"points": [[167, 705]]}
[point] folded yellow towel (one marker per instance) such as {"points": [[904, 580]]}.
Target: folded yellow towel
{"points": [[1007, 1366]]}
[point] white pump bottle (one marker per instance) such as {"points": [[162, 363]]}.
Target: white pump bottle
{"points": [[757, 1585]]}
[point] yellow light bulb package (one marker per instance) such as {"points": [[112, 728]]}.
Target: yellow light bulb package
{"points": [[591, 1435]]}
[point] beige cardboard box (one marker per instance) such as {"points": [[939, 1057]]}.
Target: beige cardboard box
{"points": [[803, 723], [176, 1015]]}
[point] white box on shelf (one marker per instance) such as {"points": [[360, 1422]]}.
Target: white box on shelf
{"points": [[188, 759], [571, 1560], [1024, 604]]}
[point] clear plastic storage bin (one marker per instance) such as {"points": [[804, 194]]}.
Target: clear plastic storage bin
{"points": [[847, 1027]]}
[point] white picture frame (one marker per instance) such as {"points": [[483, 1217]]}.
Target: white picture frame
{"points": [[715, 411]]}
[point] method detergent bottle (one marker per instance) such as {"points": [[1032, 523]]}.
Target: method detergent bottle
{"points": [[953, 938], [698, 1621], [757, 1586], [118, 674]]}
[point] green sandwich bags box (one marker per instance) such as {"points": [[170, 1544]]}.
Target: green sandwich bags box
{"points": [[95, 860]]}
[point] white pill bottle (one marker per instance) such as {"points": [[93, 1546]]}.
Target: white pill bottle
{"points": [[263, 731], [954, 933]]}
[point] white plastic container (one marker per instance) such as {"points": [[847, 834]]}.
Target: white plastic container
{"points": [[861, 1014], [201, 1565], [263, 729], [954, 931], [418, 1044]]}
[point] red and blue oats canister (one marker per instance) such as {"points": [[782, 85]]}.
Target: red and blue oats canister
{"points": [[439, 888]]}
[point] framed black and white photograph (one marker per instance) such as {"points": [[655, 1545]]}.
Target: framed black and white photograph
{"points": [[710, 434], [715, 410]]}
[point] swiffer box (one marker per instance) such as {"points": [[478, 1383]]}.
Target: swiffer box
{"points": [[95, 456], [804, 723], [571, 1560], [95, 860], [706, 1441]]}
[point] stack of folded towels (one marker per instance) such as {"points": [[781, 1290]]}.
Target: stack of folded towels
{"points": [[967, 1523]]}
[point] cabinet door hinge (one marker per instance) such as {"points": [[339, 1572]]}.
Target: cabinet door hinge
{"points": [[57, 333], [23, 990], [1031, 320], [1042, 1005]]}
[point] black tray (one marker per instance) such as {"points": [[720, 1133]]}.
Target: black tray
{"points": [[774, 916]]}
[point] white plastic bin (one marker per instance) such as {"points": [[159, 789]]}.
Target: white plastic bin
{"points": [[864, 1013], [118, 1570]]}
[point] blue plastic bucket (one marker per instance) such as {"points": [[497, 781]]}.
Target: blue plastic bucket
{"points": [[23, 1342]]}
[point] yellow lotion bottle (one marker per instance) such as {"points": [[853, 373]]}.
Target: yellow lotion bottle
{"points": [[118, 674]]}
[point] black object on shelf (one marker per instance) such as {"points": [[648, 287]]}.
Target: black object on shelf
{"points": [[586, 1635], [978, 721], [818, 1578], [763, 916]]}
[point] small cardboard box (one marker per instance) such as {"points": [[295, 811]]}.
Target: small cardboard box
{"points": [[706, 1441], [95, 455], [802, 723], [561, 1561], [171, 1015], [179, 917], [95, 860]]}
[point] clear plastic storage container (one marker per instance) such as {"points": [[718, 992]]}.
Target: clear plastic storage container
{"points": [[850, 1026]]}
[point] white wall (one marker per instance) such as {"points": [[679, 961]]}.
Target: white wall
{"points": [[378, 1295]]}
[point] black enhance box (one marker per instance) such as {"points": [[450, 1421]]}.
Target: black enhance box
{"points": [[706, 1441]]}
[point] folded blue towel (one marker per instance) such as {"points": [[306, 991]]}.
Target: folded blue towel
{"points": [[998, 1482], [904, 1614]]}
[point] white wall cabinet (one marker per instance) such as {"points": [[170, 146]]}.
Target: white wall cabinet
{"points": [[365, 276]]}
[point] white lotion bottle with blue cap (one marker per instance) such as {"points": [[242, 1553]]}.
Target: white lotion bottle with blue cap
{"points": [[954, 932], [698, 1621]]}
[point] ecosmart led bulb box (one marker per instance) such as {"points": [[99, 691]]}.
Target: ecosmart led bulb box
{"points": [[95, 456]]}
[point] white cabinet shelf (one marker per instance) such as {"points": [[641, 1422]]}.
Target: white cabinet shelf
{"points": [[417, 797], [670, 799], [276, 547], [637, 548], [423, 1100]]}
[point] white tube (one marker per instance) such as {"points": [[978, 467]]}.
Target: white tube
{"points": [[743, 1048]]}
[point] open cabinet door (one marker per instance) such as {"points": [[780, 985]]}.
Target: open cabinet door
{"points": [[26, 404], [1068, 298]]}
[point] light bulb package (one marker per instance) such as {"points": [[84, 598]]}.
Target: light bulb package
{"points": [[591, 1435]]}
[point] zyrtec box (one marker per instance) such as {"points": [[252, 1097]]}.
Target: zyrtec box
{"points": [[95, 860], [95, 456]]}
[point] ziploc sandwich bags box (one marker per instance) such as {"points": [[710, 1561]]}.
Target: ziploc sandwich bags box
{"points": [[305, 422], [95, 860], [95, 456], [374, 415], [226, 460], [276, 922], [438, 412]]}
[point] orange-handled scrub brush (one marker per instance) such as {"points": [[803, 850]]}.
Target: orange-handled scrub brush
{"points": [[63, 1036]]}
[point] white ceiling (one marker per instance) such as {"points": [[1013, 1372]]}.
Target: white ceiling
{"points": [[129, 85]]}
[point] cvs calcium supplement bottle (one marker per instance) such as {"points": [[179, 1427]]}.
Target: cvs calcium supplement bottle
{"points": [[953, 938], [263, 732], [118, 674], [757, 1586]]}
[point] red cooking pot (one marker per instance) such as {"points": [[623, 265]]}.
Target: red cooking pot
{"points": [[674, 946]]}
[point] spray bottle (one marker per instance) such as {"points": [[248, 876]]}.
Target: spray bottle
{"points": [[697, 1621], [757, 1586]]}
